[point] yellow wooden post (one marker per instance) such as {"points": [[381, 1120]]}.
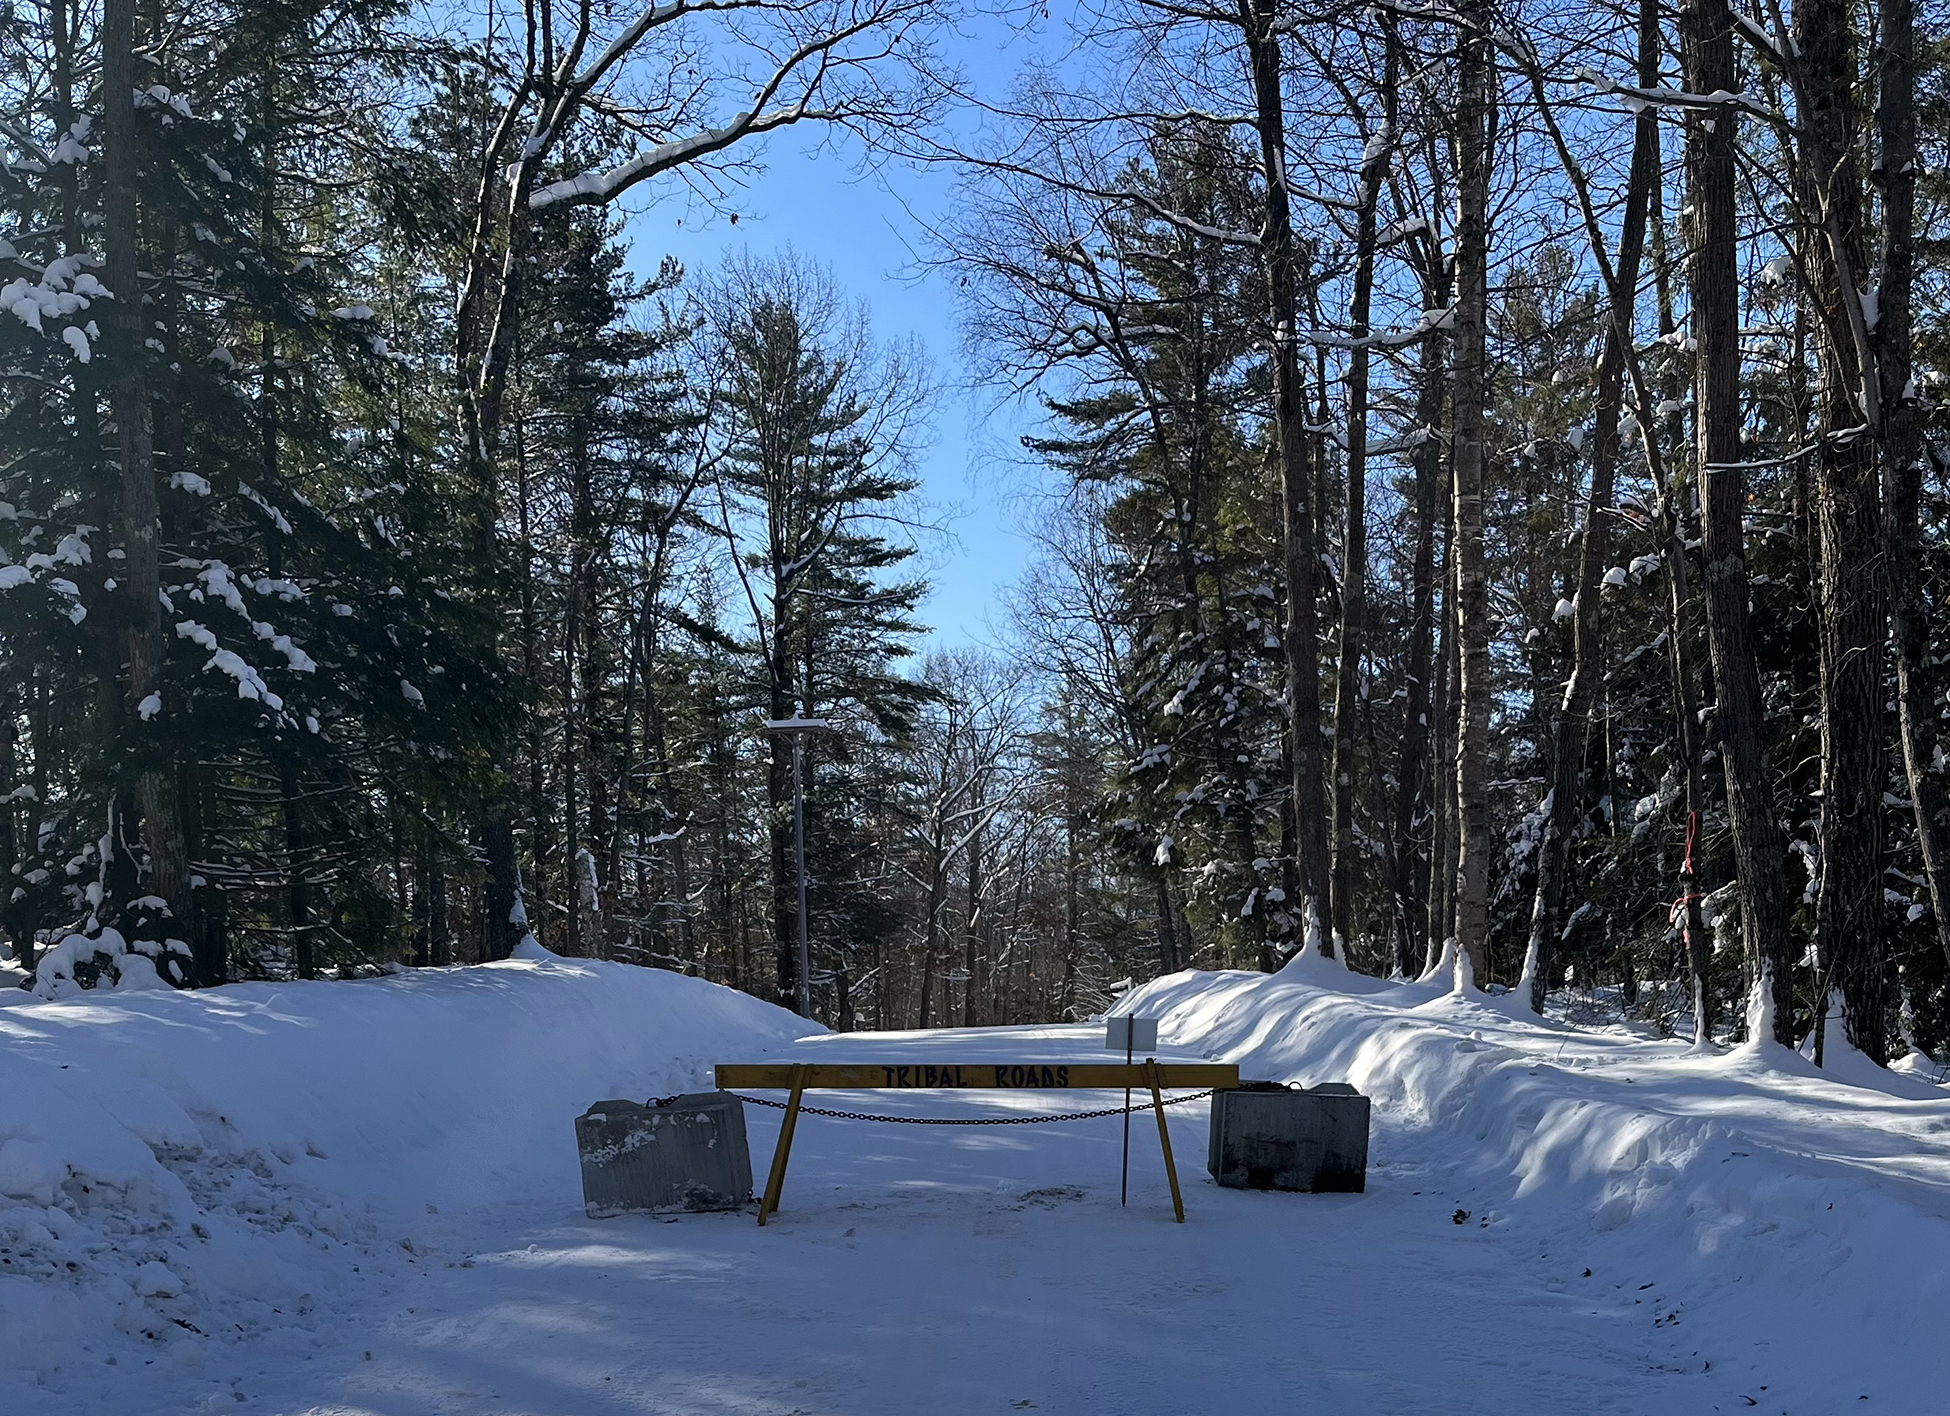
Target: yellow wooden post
{"points": [[775, 1182], [1164, 1137]]}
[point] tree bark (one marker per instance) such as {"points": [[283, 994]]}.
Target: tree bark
{"points": [[1707, 53], [304, 956], [1354, 533], [155, 788], [1167, 928], [1474, 844], [1572, 727], [1442, 770], [485, 332], [971, 925], [1413, 795], [541, 834], [778, 803], [1902, 453], [1848, 898], [1301, 556]]}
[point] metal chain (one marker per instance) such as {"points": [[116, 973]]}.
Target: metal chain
{"points": [[973, 1120]]}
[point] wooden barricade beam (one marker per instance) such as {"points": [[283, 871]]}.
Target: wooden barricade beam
{"points": [[798, 1078], [978, 1076]]}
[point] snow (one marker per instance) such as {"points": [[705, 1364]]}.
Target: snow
{"points": [[48, 299], [30, 1171], [604, 185], [362, 1197], [161, 97], [249, 683], [199, 1183], [1758, 1198], [154, 1280]]}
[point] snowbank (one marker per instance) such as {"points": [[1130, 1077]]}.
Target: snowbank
{"points": [[177, 1167], [1797, 1217]]}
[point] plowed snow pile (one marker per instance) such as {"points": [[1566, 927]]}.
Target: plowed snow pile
{"points": [[1795, 1220], [183, 1169]]}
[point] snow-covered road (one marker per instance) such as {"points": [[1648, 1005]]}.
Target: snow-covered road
{"points": [[934, 1269], [361, 1201]]}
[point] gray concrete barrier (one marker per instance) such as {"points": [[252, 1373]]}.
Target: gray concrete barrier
{"points": [[688, 1153], [1266, 1136]]}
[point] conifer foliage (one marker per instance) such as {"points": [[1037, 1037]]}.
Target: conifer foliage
{"points": [[1484, 467]]}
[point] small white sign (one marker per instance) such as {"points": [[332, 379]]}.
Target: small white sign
{"points": [[1131, 1035]]}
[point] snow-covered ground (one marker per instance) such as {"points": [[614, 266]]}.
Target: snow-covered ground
{"points": [[362, 1198]]}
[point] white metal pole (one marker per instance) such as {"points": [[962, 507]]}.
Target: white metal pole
{"points": [[799, 849], [1124, 1185]]}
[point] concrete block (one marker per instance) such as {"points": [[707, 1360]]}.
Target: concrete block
{"points": [[1266, 1136], [686, 1153]]}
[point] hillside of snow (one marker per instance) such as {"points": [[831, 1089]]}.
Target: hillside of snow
{"points": [[1786, 1220], [181, 1172], [361, 1199]]}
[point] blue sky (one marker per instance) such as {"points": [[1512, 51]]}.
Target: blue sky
{"points": [[867, 227]]}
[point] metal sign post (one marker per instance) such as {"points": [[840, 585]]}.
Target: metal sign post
{"points": [[1129, 1034]]}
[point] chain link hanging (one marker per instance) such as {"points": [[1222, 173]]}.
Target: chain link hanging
{"points": [[973, 1120]]}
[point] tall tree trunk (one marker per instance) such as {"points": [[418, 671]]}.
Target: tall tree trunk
{"points": [[1848, 899], [730, 921], [1167, 927], [440, 944], [778, 815], [1475, 847], [503, 914], [541, 835], [578, 944], [20, 934], [1354, 533], [486, 326], [931, 933], [971, 932], [155, 786], [1572, 727], [591, 665], [1671, 520], [1414, 796], [1707, 52], [1301, 556], [1442, 770], [1902, 452], [304, 955]]}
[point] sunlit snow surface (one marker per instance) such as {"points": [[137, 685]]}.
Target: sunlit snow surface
{"points": [[362, 1198]]}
